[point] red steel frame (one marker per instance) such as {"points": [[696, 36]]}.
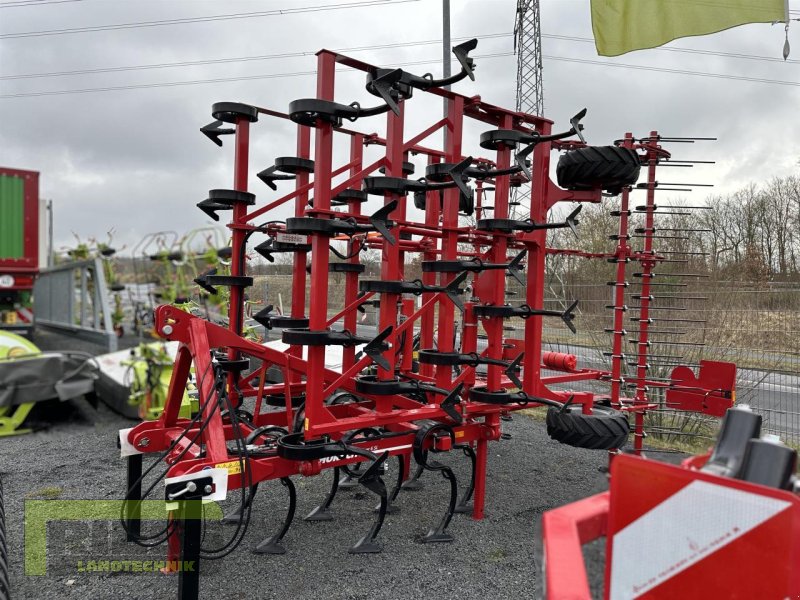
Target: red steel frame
{"points": [[442, 237]]}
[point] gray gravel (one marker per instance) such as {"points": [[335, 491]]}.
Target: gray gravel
{"points": [[528, 475], [491, 558]]}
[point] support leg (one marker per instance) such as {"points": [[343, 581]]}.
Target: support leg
{"points": [[272, 545], [133, 497], [480, 480], [189, 569]]}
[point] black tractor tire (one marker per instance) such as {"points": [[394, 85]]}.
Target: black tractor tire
{"points": [[604, 429], [5, 592], [608, 167]]}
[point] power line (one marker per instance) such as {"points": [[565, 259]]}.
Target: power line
{"points": [[284, 55], [22, 4], [217, 80], [423, 62], [299, 54], [224, 17]]}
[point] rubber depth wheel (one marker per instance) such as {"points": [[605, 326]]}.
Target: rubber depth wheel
{"points": [[604, 429], [607, 167]]}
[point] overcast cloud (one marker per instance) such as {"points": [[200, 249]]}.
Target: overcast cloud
{"points": [[135, 161]]}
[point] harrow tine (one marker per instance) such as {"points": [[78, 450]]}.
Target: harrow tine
{"points": [[371, 479], [323, 512], [464, 506], [272, 545]]}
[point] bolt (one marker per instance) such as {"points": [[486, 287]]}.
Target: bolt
{"points": [[144, 442], [166, 330], [208, 489]]}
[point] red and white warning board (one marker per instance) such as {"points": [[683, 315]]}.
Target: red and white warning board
{"points": [[677, 533]]}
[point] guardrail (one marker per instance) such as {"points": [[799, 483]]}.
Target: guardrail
{"points": [[73, 298]]}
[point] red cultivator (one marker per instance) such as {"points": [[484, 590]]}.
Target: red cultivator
{"points": [[423, 383]]}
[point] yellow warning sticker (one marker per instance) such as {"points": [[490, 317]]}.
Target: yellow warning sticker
{"points": [[234, 467], [459, 434]]}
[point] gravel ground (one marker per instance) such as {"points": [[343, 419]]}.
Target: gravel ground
{"points": [[76, 458]]}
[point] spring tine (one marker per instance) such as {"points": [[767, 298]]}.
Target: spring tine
{"points": [[668, 320], [656, 252], [692, 184], [663, 189], [658, 214], [690, 162], [689, 139], [662, 284], [661, 331]]}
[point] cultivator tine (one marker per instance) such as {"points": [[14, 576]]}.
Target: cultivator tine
{"points": [[457, 173], [569, 315], [214, 129], [371, 479], [235, 517], [572, 221], [462, 55], [383, 85], [515, 268], [272, 545], [380, 221], [511, 371], [453, 292], [413, 484], [202, 281], [449, 404], [577, 128], [391, 507], [270, 176], [323, 512], [438, 533], [377, 346], [464, 506]]}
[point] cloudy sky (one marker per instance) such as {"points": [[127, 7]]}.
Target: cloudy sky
{"points": [[132, 159]]}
